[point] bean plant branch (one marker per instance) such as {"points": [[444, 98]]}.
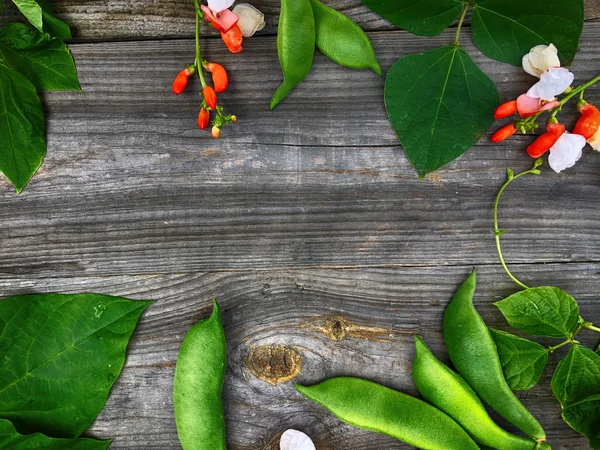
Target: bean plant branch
{"points": [[460, 23], [198, 61], [497, 232]]}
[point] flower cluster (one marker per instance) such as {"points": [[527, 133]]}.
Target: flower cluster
{"points": [[565, 148], [234, 25]]}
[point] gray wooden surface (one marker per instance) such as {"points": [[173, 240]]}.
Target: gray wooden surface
{"points": [[307, 223]]}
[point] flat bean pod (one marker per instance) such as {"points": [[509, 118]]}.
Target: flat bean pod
{"points": [[447, 390], [295, 45], [475, 356], [199, 376], [373, 407], [341, 40]]}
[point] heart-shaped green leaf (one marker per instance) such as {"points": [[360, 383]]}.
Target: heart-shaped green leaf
{"points": [[439, 103], [45, 61], [584, 417], [60, 356], [10, 439], [523, 361], [541, 311], [422, 17], [21, 127], [507, 29], [577, 376]]}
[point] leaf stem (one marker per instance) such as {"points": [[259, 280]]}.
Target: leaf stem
{"points": [[497, 231], [460, 23], [589, 326], [562, 344], [198, 61]]}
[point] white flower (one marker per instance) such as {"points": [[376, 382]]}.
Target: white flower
{"points": [[251, 19], [566, 151], [295, 440], [219, 5], [540, 58], [553, 82], [594, 141]]}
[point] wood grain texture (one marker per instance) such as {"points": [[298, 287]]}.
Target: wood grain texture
{"points": [[130, 185], [380, 309], [135, 19]]}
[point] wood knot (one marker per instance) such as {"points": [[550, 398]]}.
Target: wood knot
{"points": [[336, 331], [274, 363]]}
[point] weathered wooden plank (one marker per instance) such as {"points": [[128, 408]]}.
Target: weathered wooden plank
{"points": [[119, 19], [130, 185], [372, 312]]}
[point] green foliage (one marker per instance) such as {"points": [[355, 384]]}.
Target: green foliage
{"points": [[30, 58], [439, 103], [11, 439], [61, 355], [507, 29], [577, 376], [523, 361], [584, 417], [541, 311]]}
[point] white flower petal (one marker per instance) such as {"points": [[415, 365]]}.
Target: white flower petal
{"points": [[553, 82], [594, 141], [219, 5], [540, 58], [251, 19], [566, 151], [295, 440]]}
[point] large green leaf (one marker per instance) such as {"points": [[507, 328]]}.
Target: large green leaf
{"points": [[10, 439], [507, 29], [61, 355], [46, 61], [577, 376], [32, 11], [584, 417], [523, 361], [439, 103], [422, 17], [21, 128], [541, 311], [52, 25]]}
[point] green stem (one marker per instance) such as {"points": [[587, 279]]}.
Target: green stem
{"points": [[589, 326], [460, 23], [497, 232], [198, 61], [562, 344]]}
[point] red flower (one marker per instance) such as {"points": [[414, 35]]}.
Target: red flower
{"points": [[181, 80], [544, 142], [504, 133], [528, 106], [203, 118], [506, 109], [233, 39], [210, 97], [219, 76], [589, 122], [223, 21]]}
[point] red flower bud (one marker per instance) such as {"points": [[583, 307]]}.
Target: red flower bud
{"points": [[589, 122], [210, 97], [506, 109], [203, 118], [216, 132], [181, 80], [219, 76], [233, 39], [504, 133], [544, 142]]}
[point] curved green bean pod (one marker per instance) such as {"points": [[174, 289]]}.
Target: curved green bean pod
{"points": [[475, 356]]}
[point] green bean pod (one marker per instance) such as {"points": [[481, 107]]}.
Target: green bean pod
{"points": [[341, 40], [475, 356], [444, 388], [199, 376], [295, 45], [373, 407]]}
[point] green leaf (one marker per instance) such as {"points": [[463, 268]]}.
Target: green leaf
{"points": [[61, 355], [10, 439], [523, 361], [45, 61], [541, 311], [507, 29], [439, 103], [584, 417], [52, 25], [422, 17], [32, 11], [577, 376], [21, 128]]}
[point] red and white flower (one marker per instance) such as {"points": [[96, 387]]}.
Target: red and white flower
{"points": [[540, 58], [566, 151], [295, 440]]}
